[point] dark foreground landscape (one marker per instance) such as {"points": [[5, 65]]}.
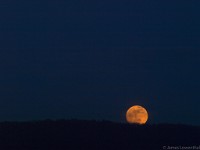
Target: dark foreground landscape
{"points": [[94, 135]]}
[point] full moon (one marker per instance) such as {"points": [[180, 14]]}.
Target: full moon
{"points": [[137, 114]]}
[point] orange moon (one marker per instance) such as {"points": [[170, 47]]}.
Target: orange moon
{"points": [[137, 114]]}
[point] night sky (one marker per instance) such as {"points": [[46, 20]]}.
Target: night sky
{"points": [[87, 59]]}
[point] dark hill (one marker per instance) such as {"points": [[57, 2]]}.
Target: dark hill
{"points": [[93, 135]]}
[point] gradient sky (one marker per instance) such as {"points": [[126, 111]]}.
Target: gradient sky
{"points": [[89, 59]]}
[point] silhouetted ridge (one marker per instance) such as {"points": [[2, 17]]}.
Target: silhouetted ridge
{"points": [[94, 135]]}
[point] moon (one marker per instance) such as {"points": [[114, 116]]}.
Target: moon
{"points": [[137, 115]]}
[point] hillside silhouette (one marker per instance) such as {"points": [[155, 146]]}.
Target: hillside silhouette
{"points": [[94, 135]]}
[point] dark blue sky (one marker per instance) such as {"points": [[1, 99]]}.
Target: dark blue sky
{"points": [[89, 59]]}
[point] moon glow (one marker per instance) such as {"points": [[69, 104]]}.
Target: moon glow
{"points": [[137, 114]]}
